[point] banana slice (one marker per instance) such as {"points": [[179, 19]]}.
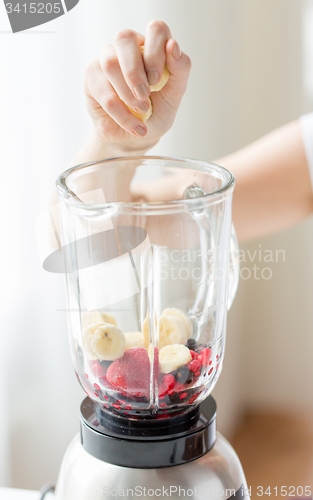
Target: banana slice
{"points": [[108, 342], [146, 331], [173, 311], [143, 116], [93, 317], [173, 330], [134, 339], [165, 76], [88, 350], [173, 356], [153, 88], [87, 336], [151, 350]]}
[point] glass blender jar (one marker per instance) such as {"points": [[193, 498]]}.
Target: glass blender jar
{"points": [[151, 270]]}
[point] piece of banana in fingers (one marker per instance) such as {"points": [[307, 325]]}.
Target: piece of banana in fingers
{"points": [[142, 116], [153, 88]]}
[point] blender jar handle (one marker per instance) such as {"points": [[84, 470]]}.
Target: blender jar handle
{"points": [[234, 268]]}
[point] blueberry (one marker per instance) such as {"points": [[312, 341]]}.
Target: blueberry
{"points": [[191, 344], [183, 375], [105, 364], [173, 398]]}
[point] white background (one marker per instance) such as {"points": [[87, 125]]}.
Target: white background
{"points": [[252, 71]]}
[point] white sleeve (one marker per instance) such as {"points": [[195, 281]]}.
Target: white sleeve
{"points": [[306, 123]]}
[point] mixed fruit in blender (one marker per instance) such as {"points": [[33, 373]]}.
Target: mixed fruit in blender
{"points": [[126, 372]]}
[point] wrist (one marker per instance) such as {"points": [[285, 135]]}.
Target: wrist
{"points": [[132, 147], [96, 149]]}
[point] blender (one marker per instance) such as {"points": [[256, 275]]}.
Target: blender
{"points": [[150, 259]]}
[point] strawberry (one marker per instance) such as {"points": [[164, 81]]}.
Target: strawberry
{"points": [[104, 381], [156, 366], [131, 372]]}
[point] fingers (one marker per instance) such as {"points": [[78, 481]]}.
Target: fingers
{"points": [[121, 77], [157, 34], [179, 65], [110, 66], [99, 88], [127, 45]]}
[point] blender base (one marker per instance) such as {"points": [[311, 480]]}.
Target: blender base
{"points": [[117, 459]]}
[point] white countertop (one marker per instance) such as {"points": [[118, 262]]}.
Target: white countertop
{"points": [[14, 494]]}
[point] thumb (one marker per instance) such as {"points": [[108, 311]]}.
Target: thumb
{"points": [[179, 65]]}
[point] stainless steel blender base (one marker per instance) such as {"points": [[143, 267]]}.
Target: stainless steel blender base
{"points": [[217, 475], [214, 475]]}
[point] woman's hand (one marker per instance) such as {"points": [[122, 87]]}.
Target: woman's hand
{"points": [[121, 74]]}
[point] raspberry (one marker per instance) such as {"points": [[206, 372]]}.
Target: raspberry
{"points": [[205, 356], [162, 390], [97, 370], [194, 355], [168, 382], [192, 399], [179, 387], [194, 365]]}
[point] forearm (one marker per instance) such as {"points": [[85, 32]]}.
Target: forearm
{"points": [[273, 188]]}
